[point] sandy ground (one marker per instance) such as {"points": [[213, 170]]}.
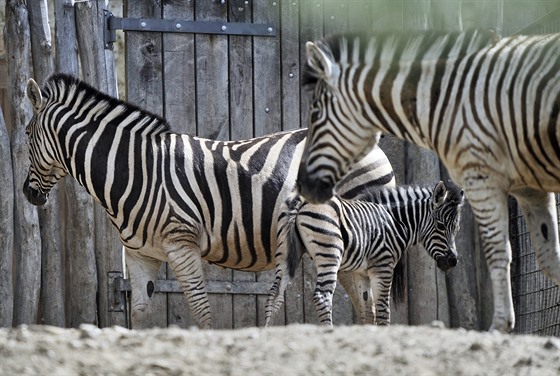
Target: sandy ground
{"points": [[292, 350]]}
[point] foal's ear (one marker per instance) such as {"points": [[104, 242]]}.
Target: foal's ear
{"points": [[439, 195], [33, 92], [320, 60]]}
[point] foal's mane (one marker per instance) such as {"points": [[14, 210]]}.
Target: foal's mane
{"points": [[58, 86], [409, 46]]}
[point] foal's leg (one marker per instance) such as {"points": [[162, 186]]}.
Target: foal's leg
{"points": [[327, 264], [381, 279], [539, 209], [358, 287], [143, 273]]}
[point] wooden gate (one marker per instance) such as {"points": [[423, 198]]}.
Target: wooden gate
{"points": [[227, 86]]}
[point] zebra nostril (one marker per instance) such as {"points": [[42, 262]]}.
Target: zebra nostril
{"points": [[452, 261]]}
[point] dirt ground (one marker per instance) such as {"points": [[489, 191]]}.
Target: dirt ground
{"points": [[291, 350]]}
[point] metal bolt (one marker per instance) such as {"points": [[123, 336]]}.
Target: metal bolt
{"points": [[224, 28], [332, 17], [143, 24], [274, 4], [228, 286], [177, 26], [270, 30], [246, 3], [291, 75], [223, 1], [267, 110]]}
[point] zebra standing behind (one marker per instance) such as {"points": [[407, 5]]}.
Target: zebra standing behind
{"points": [[489, 107], [172, 197], [367, 237]]}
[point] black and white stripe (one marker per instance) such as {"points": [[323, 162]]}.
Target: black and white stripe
{"points": [[172, 197], [366, 237], [488, 106]]}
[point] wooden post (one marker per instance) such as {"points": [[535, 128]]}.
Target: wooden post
{"points": [[7, 226], [98, 68], [26, 222], [49, 215]]}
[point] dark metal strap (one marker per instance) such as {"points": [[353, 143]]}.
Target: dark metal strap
{"points": [[113, 23]]}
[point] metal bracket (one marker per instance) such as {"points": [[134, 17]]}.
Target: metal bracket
{"points": [[116, 288], [113, 23]]}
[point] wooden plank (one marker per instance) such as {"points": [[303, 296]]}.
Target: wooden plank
{"points": [[27, 240], [213, 122], [52, 299], [144, 83], [241, 127], [336, 21], [311, 29], [7, 226], [180, 110], [290, 86], [267, 110]]}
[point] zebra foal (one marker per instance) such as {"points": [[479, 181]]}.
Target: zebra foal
{"points": [[172, 197], [489, 108], [366, 237]]}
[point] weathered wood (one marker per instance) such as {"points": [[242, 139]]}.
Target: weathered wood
{"points": [[27, 241], [52, 299], [74, 201], [266, 86], [179, 108], [290, 85], [98, 69], [245, 311], [145, 88], [311, 29], [7, 226], [213, 121]]}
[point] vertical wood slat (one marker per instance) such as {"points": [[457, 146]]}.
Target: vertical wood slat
{"points": [[335, 20], [75, 202], [180, 110], [27, 241], [244, 309], [290, 87], [213, 122], [7, 226], [267, 110], [311, 29], [145, 88], [52, 299]]}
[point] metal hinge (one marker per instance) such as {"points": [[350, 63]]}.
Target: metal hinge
{"points": [[113, 23]]}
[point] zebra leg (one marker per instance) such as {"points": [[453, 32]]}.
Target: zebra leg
{"points": [[539, 209], [143, 273], [276, 294], [357, 286], [490, 207], [327, 268], [187, 266], [380, 281]]}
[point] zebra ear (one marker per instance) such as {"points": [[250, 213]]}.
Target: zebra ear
{"points": [[439, 195], [320, 61], [33, 92]]}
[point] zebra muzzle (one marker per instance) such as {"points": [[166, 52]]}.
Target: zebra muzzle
{"points": [[447, 262], [315, 190], [34, 196]]}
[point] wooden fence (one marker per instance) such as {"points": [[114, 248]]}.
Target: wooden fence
{"points": [[217, 86]]}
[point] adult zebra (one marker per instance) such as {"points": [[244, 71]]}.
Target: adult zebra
{"points": [[366, 237], [488, 106], [172, 197]]}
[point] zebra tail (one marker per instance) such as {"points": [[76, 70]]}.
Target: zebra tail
{"points": [[398, 286], [295, 249]]}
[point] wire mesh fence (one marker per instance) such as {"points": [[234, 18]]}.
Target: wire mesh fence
{"points": [[536, 298]]}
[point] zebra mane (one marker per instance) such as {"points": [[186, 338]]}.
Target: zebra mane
{"points": [[59, 86], [391, 195], [395, 47]]}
